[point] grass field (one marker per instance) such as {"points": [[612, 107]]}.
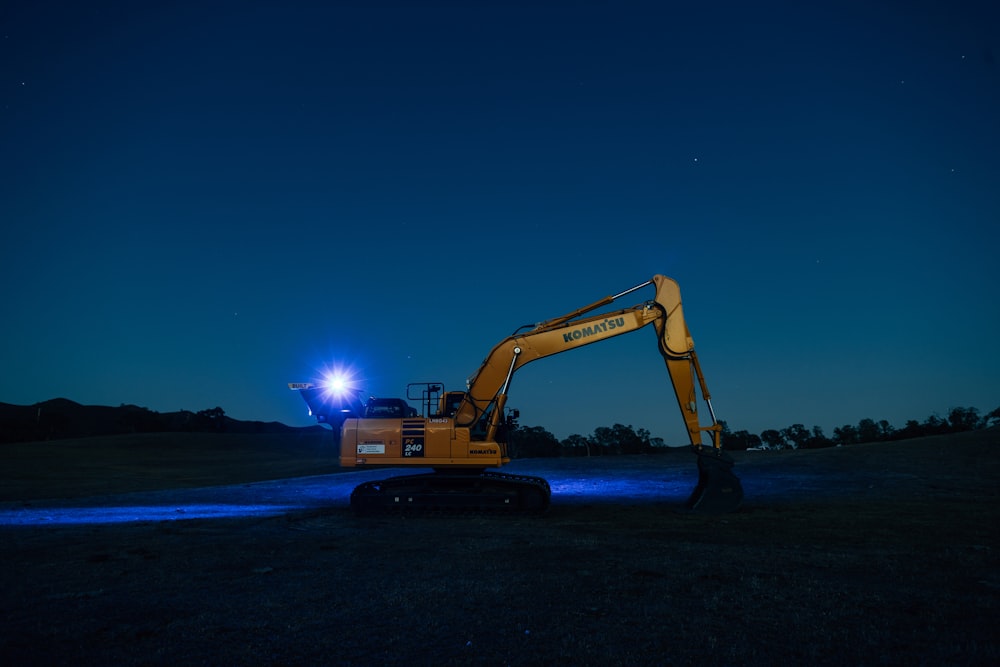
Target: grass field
{"points": [[150, 461], [866, 555]]}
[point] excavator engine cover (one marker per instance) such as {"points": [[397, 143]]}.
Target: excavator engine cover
{"points": [[718, 490]]}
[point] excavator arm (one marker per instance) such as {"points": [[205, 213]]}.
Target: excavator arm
{"points": [[490, 384], [718, 488]]}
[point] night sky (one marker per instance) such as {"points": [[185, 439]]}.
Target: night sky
{"points": [[201, 202]]}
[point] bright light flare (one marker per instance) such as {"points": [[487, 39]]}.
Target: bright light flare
{"points": [[339, 382], [333, 395]]}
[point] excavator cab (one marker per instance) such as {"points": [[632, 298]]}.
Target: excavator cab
{"points": [[434, 400]]}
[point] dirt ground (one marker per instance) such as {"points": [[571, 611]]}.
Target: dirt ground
{"points": [[136, 553]]}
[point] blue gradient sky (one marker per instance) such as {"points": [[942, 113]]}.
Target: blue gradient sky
{"points": [[203, 201]]}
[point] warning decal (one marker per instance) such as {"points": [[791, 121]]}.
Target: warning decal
{"points": [[377, 447]]}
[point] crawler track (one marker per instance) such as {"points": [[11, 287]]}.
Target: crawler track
{"points": [[478, 492]]}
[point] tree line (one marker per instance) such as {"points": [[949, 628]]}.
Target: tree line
{"points": [[536, 441], [60, 418]]}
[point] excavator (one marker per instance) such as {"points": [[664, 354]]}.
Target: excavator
{"points": [[464, 435]]}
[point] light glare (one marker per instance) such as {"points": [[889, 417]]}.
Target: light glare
{"points": [[338, 382]]}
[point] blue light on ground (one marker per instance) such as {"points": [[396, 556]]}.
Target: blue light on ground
{"points": [[261, 499], [48, 516], [265, 499], [618, 480], [569, 489]]}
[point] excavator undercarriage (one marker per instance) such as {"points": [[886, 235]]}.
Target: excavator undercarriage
{"points": [[453, 491], [463, 491]]}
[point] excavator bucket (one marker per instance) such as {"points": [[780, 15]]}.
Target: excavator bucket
{"points": [[718, 490]]}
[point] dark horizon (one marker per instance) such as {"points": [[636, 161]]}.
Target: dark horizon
{"points": [[62, 418]]}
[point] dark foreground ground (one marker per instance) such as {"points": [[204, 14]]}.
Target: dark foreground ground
{"points": [[869, 555]]}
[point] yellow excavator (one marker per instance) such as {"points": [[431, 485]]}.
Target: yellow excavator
{"points": [[461, 435]]}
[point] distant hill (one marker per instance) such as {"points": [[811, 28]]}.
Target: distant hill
{"points": [[61, 418]]}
